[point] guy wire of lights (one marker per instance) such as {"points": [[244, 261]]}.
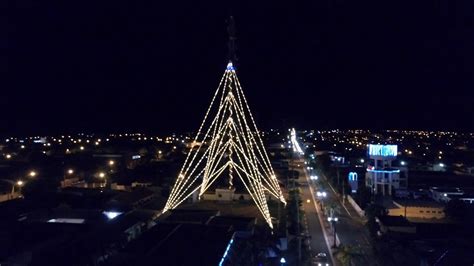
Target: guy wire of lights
{"points": [[231, 141]]}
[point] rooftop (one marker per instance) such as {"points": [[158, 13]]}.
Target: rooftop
{"points": [[178, 244], [418, 203], [447, 189]]}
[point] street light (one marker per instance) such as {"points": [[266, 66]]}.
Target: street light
{"points": [[8, 156], [19, 183], [70, 171], [111, 162], [32, 173], [101, 174], [333, 221]]}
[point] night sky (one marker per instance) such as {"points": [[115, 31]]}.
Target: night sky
{"points": [[153, 66]]}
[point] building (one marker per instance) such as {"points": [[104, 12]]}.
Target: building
{"points": [[417, 209], [381, 176], [444, 194]]}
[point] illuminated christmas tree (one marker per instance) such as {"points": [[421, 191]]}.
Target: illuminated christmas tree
{"points": [[227, 142]]}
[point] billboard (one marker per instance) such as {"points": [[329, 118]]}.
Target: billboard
{"points": [[383, 150]]}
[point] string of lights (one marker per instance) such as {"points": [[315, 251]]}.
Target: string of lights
{"points": [[230, 142]]}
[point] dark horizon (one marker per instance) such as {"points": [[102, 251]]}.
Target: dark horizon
{"points": [[124, 66]]}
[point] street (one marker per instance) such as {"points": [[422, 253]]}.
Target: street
{"points": [[312, 222]]}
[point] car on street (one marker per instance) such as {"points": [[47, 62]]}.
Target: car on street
{"points": [[321, 259]]}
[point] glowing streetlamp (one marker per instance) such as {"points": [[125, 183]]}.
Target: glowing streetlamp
{"points": [[20, 184], [8, 156], [32, 173], [101, 174], [70, 171], [111, 162]]}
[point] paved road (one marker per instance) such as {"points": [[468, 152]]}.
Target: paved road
{"points": [[350, 228], [317, 242]]}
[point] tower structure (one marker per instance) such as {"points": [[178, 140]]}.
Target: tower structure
{"points": [[229, 143]]}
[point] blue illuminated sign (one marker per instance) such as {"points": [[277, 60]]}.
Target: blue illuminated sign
{"points": [[352, 176], [382, 150], [383, 171]]}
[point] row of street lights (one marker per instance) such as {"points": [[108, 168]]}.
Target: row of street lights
{"points": [[332, 218]]}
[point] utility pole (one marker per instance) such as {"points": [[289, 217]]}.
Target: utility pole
{"points": [[343, 191]]}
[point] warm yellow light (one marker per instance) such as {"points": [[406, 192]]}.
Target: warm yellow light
{"points": [[82, 148], [19, 183], [8, 156], [32, 173], [111, 162], [101, 174], [70, 171]]}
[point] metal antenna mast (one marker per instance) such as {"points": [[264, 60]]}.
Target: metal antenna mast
{"points": [[232, 39]]}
